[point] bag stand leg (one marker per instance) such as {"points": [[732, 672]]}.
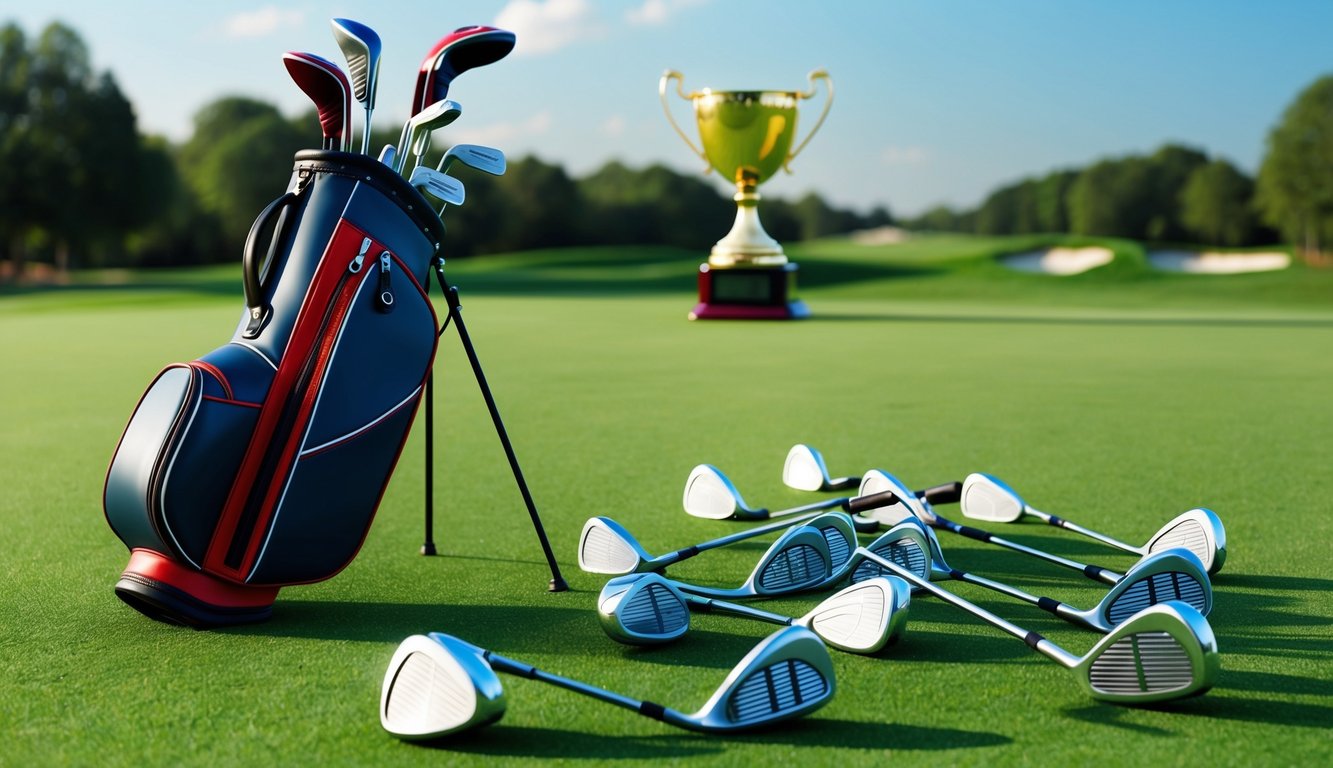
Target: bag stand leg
{"points": [[557, 583]]}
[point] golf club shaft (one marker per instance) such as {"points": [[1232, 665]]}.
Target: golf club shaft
{"points": [[365, 136], [1045, 603], [1033, 640], [850, 504], [688, 552], [646, 708], [705, 604], [1091, 571], [1060, 522]]}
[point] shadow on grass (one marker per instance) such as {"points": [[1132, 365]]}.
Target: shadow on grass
{"points": [[1265, 711], [500, 740]]}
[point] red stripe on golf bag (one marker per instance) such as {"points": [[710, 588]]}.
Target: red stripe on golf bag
{"points": [[262, 463]]}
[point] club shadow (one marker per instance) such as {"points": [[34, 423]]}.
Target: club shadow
{"points": [[1262, 711], [550, 743]]}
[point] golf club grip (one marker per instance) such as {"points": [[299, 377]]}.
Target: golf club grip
{"points": [[948, 493], [251, 263], [873, 501]]}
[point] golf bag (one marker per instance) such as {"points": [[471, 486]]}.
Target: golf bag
{"points": [[261, 464]]}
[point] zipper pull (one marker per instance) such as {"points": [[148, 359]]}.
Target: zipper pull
{"points": [[384, 301], [355, 266]]}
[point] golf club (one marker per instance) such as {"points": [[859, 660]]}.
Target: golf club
{"points": [[605, 546], [1173, 574], [986, 497], [440, 186], [437, 115], [711, 494], [1164, 652], [437, 685], [797, 561], [327, 86], [876, 481], [485, 159], [463, 49], [361, 47], [388, 155], [648, 609], [804, 470]]}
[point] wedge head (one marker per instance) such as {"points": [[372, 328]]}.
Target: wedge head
{"points": [[437, 685], [1198, 530], [787, 675], [805, 470], [481, 158], [605, 546], [986, 497], [1171, 574], [904, 544], [710, 494], [878, 481], [863, 617], [1164, 652], [642, 609]]}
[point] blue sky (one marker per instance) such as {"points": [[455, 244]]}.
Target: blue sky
{"points": [[936, 102]]}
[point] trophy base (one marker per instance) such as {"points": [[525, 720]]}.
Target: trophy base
{"points": [[748, 293]]}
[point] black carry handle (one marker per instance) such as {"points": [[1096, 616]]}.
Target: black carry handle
{"points": [[256, 311]]}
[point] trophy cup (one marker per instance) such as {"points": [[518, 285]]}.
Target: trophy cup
{"points": [[747, 136]]}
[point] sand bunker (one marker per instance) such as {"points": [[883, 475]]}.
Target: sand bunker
{"points": [[1217, 263], [1058, 261]]}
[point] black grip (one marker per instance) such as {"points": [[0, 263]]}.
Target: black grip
{"points": [[1058, 522], [1047, 604], [256, 311], [972, 533], [655, 711], [1032, 639], [691, 551], [948, 493], [873, 501], [1093, 572]]}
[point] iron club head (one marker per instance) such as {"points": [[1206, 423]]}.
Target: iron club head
{"points": [[1164, 652], [437, 685], [804, 470]]}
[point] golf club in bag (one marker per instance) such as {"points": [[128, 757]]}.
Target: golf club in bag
{"points": [[261, 464]]}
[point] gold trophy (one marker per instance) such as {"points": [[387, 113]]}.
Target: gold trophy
{"points": [[747, 136]]}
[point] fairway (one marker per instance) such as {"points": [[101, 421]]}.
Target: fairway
{"points": [[1118, 398]]}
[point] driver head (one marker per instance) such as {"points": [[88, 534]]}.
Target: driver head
{"points": [[361, 47], [1163, 652], [642, 609], [436, 686], [463, 49], [1198, 530], [986, 497]]}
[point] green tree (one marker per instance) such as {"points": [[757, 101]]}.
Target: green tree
{"points": [[1295, 186], [1216, 204]]}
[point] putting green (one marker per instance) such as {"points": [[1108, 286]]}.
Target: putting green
{"points": [[1118, 398]]}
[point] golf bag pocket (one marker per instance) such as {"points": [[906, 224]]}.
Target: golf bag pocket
{"points": [[261, 464]]}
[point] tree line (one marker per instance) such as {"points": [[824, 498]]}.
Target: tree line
{"points": [[81, 187], [1179, 194]]}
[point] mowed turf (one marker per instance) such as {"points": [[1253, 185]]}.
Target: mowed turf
{"points": [[1117, 398]]}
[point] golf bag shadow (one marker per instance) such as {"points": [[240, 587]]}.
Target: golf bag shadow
{"points": [[261, 464]]}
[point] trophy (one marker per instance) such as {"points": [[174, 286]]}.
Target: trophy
{"points": [[747, 136]]}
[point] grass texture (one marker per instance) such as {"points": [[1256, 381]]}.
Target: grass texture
{"points": [[1117, 398]]}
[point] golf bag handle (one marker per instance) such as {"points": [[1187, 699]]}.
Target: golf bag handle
{"points": [[256, 311]]}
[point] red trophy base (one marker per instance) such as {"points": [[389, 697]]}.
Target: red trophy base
{"points": [[748, 293]]}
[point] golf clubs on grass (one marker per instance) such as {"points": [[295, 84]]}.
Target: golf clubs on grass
{"points": [[438, 684], [648, 609], [711, 494], [1163, 652], [986, 497], [605, 546]]}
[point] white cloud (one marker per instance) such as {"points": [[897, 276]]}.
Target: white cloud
{"points": [[543, 26], [904, 155], [653, 12], [500, 134], [613, 127], [262, 22]]}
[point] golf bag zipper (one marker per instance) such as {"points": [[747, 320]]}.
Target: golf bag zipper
{"points": [[384, 295], [263, 494]]}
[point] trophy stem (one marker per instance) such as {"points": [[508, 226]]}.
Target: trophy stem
{"points": [[747, 244]]}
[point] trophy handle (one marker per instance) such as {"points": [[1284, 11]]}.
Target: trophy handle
{"points": [[818, 74], [668, 76]]}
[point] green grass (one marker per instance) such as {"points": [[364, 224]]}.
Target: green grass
{"points": [[1118, 398]]}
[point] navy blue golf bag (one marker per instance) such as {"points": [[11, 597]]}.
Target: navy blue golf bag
{"points": [[261, 464]]}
